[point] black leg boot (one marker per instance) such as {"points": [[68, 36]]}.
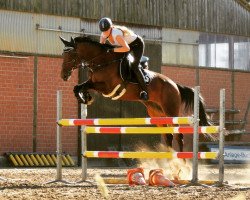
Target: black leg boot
{"points": [[139, 76]]}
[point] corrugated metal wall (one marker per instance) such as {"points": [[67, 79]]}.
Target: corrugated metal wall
{"points": [[218, 16], [48, 41], [39, 33], [19, 33], [148, 32]]}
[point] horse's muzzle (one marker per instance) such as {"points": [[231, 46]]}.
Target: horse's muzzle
{"points": [[66, 76]]}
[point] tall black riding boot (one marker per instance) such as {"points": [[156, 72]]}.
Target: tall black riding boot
{"points": [[139, 76]]}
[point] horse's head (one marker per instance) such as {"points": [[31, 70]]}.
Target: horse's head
{"points": [[71, 61], [85, 50]]}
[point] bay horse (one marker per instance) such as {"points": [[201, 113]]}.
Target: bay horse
{"points": [[104, 76]]}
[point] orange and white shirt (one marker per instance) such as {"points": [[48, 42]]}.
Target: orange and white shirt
{"points": [[129, 38]]}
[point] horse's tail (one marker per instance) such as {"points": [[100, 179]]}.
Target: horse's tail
{"points": [[187, 98]]}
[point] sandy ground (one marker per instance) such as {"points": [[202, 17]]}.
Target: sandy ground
{"points": [[31, 184]]}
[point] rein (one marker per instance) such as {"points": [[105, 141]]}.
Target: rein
{"points": [[95, 67], [90, 64]]}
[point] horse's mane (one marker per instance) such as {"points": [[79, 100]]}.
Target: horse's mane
{"points": [[88, 39]]}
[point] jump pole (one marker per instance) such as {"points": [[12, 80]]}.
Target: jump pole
{"points": [[194, 180], [59, 136], [222, 138], [58, 140], [84, 113], [196, 136]]}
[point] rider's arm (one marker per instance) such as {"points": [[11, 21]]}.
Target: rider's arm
{"points": [[123, 45], [102, 39]]}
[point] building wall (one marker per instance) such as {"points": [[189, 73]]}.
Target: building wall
{"points": [[242, 97], [17, 105], [211, 81], [17, 100]]}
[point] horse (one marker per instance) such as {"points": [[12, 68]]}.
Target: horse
{"points": [[166, 98]]}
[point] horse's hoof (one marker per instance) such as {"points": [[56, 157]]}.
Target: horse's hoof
{"points": [[77, 89], [144, 96], [88, 98], [90, 101], [80, 100]]}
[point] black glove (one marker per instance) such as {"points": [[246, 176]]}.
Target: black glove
{"points": [[78, 93], [110, 50]]}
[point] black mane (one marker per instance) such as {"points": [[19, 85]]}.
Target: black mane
{"points": [[82, 39]]}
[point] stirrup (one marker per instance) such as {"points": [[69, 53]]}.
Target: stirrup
{"points": [[144, 95]]}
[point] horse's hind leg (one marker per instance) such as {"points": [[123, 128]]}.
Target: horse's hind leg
{"points": [[168, 139], [154, 110], [171, 105], [175, 140]]}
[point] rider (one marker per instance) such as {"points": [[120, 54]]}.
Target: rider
{"points": [[125, 40]]}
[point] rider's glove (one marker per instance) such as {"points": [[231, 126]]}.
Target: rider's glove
{"points": [[110, 50]]}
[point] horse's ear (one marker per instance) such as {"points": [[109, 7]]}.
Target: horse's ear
{"points": [[66, 43], [72, 41]]}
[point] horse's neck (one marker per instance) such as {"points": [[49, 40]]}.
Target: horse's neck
{"points": [[90, 52]]}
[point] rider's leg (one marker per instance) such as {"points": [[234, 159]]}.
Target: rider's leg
{"points": [[142, 83], [138, 52]]}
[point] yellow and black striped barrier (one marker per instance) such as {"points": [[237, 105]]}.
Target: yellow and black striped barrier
{"points": [[38, 160]]}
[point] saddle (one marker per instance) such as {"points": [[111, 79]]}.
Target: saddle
{"points": [[127, 73]]}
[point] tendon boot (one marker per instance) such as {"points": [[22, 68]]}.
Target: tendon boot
{"points": [[144, 95], [141, 81]]}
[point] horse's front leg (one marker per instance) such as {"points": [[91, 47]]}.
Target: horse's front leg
{"points": [[82, 94]]}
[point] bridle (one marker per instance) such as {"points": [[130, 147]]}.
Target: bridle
{"points": [[73, 61], [88, 63]]}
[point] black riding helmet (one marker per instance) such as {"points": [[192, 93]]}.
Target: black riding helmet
{"points": [[104, 24]]}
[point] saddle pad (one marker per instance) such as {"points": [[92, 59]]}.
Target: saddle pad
{"points": [[128, 75]]}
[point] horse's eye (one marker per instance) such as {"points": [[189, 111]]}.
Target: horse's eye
{"points": [[73, 60]]}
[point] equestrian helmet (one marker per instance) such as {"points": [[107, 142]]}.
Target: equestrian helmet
{"points": [[104, 24]]}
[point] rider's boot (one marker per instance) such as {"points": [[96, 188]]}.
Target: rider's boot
{"points": [[142, 83]]}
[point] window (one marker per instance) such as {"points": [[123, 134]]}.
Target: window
{"points": [[212, 50], [207, 56], [222, 51], [241, 53]]}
